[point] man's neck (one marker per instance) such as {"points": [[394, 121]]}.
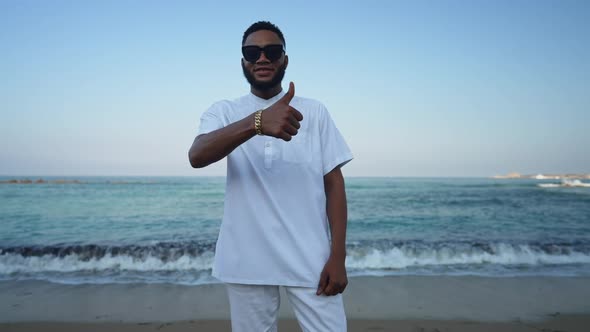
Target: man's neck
{"points": [[266, 94]]}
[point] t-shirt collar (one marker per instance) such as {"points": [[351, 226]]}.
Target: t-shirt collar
{"points": [[266, 102]]}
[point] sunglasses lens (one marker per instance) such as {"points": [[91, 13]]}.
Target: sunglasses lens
{"points": [[273, 52], [251, 53]]}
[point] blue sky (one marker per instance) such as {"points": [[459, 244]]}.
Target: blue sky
{"points": [[433, 88]]}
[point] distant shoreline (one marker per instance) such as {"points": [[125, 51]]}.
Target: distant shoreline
{"points": [[124, 179]]}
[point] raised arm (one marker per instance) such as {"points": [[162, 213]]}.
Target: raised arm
{"points": [[214, 146], [279, 120]]}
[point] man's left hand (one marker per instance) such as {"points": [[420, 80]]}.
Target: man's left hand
{"points": [[333, 279]]}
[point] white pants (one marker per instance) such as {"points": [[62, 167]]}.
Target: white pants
{"points": [[255, 308]]}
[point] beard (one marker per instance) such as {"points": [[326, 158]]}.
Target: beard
{"points": [[264, 86]]}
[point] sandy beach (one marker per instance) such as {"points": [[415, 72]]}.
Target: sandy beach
{"points": [[401, 303]]}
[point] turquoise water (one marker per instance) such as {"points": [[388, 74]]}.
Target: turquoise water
{"points": [[163, 229]]}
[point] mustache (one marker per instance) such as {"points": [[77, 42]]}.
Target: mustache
{"points": [[263, 86]]}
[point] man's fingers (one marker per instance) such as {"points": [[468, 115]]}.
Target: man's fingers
{"points": [[290, 94], [290, 130], [285, 137], [330, 289], [323, 283], [294, 121], [297, 114]]}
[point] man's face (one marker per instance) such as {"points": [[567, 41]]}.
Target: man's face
{"points": [[264, 74]]}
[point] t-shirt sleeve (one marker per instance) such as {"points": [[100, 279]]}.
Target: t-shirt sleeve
{"points": [[210, 120], [335, 151]]}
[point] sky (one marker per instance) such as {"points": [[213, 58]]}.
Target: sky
{"points": [[417, 88]]}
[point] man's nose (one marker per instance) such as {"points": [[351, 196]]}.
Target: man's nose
{"points": [[262, 58]]}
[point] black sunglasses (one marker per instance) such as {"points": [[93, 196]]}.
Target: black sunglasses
{"points": [[272, 52]]}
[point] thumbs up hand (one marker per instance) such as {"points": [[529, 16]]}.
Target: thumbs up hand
{"points": [[281, 120]]}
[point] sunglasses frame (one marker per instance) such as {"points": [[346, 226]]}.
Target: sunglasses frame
{"points": [[260, 50]]}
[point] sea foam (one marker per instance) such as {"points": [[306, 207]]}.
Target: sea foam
{"points": [[402, 257], [185, 263]]}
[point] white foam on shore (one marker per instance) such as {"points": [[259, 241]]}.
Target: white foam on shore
{"points": [[14, 263], [504, 254], [409, 258]]}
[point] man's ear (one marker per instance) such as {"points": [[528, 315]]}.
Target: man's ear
{"points": [[286, 61]]}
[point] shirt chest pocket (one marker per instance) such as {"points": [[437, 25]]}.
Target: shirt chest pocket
{"points": [[298, 149]]}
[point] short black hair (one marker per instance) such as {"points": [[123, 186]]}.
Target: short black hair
{"points": [[263, 25]]}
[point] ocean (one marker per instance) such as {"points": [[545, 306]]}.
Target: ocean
{"points": [[101, 230]]}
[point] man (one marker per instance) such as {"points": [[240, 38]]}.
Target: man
{"points": [[284, 221]]}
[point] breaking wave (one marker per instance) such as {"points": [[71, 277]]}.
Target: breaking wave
{"points": [[465, 255], [190, 263]]}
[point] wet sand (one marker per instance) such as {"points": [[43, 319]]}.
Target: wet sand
{"points": [[402, 303]]}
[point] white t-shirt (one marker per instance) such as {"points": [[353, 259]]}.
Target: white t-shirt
{"points": [[275, 228]]}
